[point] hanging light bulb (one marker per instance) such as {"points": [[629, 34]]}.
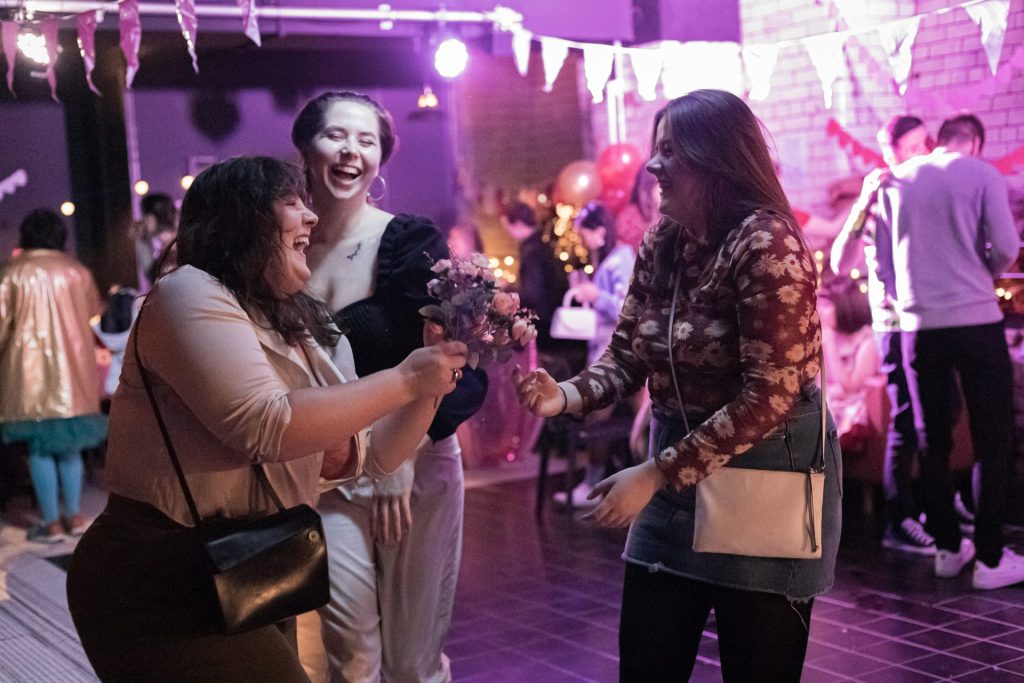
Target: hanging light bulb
{"points": [[427, 98], [451, 58]]}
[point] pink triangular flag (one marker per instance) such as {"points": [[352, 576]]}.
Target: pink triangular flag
{"points": [[186, 11], [10, 42], [131, 37], [49, 31], [87, 45], [249, 23]]}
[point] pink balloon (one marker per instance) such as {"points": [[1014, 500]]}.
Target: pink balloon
{"points": [[577, 183]]}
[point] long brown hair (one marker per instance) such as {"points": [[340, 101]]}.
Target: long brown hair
{"points": [[719, 139]]}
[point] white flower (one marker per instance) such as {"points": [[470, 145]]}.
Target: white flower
{"points": [[441, 266], [480, 261]]}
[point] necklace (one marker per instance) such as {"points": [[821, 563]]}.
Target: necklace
{"points": [[355, 252]]}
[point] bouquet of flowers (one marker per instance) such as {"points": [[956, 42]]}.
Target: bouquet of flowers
{"points": [[472, 310]]}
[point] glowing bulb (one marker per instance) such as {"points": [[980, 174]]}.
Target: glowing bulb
{"points": [[1008, 296], [68, 208], [493, 262], [510, 278], [819, 255], [186, 181], [542, 198], [509, 260], [427, 99], [863, 289], [565, 210], [855, 273], [568, 267], [141, 187], [33, 46], [498, 272], [588, 269], [564, 256], [1000, 292], [451, 58]]}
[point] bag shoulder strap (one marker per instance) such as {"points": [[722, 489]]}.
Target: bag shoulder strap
{"points": [[193, 510]]}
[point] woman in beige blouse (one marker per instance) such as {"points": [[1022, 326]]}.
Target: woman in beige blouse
{"points": [[745, 347], [234, 349]]}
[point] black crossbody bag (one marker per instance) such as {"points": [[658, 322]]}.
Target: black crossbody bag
{"points": [[258, 571]]}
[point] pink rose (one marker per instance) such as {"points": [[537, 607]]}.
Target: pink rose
{"points": [[441, 266], [504, 304], [519, 330]]}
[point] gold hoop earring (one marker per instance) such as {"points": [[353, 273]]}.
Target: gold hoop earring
{"points": [[383, 189]]}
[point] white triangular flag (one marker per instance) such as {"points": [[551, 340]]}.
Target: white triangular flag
{"points": [[897, 40], [597, 68], [991, 17], [698, 64], [646, 65], [553, 53], [759, 61], [521, 39], [826, 53], [250, 24]]}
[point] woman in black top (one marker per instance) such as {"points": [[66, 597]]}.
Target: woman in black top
{"points": [[393, 579]]}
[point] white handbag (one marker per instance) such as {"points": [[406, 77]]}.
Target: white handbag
{"points": [[574, 322]]}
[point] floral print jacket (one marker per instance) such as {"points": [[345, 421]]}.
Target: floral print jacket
{"points": [[746, 340]]}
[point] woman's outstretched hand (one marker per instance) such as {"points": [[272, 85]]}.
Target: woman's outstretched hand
{"points": [[538, 392], [626, 493], [434, 370]]}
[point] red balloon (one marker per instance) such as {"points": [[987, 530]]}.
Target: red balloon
{"points": [[614, 198], [617, 165], [577, 183]]}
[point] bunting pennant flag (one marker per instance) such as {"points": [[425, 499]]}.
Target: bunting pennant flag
{"points": [[647, 69], [991, 18], [1008, 162], [826, 53], [720, 66], [521, 49], [868, 155], [759, 61], [597, 68], [250, 25], [87, 45], [49, 31], [553, 53], [131, 38], [9, 37], [186, 11], [897, 40]]}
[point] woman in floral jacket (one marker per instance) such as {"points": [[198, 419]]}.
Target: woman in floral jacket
{"points": [[745, 346]]}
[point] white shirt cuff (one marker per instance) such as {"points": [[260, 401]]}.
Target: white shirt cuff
{"points": [[573, 399]]}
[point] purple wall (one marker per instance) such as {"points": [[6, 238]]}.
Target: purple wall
{"points": [[419, 177], [32, 138]]}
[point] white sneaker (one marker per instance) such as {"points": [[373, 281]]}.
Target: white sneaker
{"points": [[949, 564], [1009, 571], [579, 497]]}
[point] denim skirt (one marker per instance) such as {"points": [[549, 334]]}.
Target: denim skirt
{"points": [[661, 538]]}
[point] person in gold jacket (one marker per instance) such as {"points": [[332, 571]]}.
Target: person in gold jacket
{"points": [[49, 392]]}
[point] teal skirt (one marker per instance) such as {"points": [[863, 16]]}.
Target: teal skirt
{"points": [[59, 435]]}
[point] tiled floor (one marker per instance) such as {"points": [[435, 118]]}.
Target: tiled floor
{"points": [[539, 604]]}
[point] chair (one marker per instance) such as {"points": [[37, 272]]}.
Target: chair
{"points": [[569, 434]]}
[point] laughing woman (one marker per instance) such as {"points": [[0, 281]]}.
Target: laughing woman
{"points": [[722, 300], [394, 542]]}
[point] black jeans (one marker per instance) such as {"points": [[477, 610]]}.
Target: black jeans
{"points": [[980, 356], [761, 636], [135, 596], [901, 441]]}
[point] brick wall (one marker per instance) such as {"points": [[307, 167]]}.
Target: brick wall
{"points": [[948, 71]]}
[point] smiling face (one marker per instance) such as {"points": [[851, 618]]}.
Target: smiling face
{"points": [[345, 155], [678, 185], [287, 272]]}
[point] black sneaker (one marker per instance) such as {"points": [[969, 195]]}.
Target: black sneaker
{"points": [[909, 537]]}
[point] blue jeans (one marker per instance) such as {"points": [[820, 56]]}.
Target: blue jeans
{"points": [[46, 469], [901, 441]]}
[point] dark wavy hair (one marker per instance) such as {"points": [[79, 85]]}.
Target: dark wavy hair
{"points": [[714, 134], [42, 229], [229, 230], [310, 120], [596, 215]]}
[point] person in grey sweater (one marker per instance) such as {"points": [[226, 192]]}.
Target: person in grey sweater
{"points": [[944, 231]]}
